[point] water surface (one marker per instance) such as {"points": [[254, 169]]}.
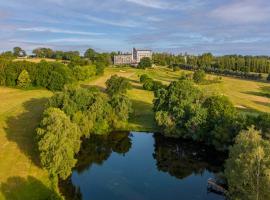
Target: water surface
{"points": [[143, 166]]}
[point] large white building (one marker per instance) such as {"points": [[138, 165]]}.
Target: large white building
{"points": [[134, 58]]}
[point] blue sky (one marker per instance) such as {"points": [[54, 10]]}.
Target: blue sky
{"points": [[193, 26]]}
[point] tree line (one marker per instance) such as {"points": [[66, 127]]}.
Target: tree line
{"points": [[51, 75], [226, 64]]}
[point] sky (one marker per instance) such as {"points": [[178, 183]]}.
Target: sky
{"points": [[176, 26]]}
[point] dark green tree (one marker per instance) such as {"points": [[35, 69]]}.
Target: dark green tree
{"points": [[178, 109], [117, 85], [90, 54], [145, 63]]}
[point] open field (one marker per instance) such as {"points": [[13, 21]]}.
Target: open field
{"points": [[35, 60], [247, 96], [20, 174]]}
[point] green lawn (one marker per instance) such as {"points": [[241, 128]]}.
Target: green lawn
{"points": [[21, 177]]}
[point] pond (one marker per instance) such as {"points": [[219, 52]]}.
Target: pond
{"points": [[142, 166]]}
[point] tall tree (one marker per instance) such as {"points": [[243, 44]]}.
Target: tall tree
{"points": [[248, 167], [59, 141], [24, 80]]}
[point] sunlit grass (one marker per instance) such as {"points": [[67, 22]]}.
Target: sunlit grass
{"points": [[20, 113]]}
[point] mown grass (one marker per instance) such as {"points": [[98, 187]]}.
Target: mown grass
{"points": [[248, 96], [21, 177]]}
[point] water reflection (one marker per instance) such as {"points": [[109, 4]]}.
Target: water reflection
{"points": [[98, 149], [141, 166], [181, 158]]}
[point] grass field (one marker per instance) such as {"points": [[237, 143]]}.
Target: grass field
{"points": [[247, 96], [35, 60], [21, 177]]}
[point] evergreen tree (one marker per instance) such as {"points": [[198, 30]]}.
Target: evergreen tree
{"points": [[24, 80]]}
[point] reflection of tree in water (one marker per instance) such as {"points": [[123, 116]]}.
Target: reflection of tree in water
{"points": [[95, 150], [98, 148], [181, 158], [69, 191]]}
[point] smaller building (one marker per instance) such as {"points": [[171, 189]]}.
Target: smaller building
{"points": [[122, 59]]}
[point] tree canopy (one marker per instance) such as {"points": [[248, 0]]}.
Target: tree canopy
{"points": [[247, 169], [145, 63], [59, 141], [117, 85]]}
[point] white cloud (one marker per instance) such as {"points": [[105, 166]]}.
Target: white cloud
{"points": [[169, 5], [54, 30], [245, 11], [122, 23]]}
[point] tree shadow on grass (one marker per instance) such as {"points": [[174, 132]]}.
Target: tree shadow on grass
{"points": [[22, 128], [30, 188], [264, 92], [143, 115], [267, 104]]}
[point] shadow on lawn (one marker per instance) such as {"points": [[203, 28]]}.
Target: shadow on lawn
{"points": [[29, 188], [21, 128], [264, 92]]}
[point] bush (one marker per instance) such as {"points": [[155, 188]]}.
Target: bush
{"points": [[24, 80], [145, 63], [148, 84], [143, 78], [199, 76]]}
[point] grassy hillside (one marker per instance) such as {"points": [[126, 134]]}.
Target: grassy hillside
{"points": [[21, 177]]}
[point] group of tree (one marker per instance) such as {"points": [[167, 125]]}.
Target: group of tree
{"points": [[76, 113], [257, 64], [181, 110], [149, 83], [17, 52], [50, 75]]}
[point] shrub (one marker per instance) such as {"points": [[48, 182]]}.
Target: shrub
{"points": [[143, 78], [24, 80], [199, 76], [148, 84]]}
